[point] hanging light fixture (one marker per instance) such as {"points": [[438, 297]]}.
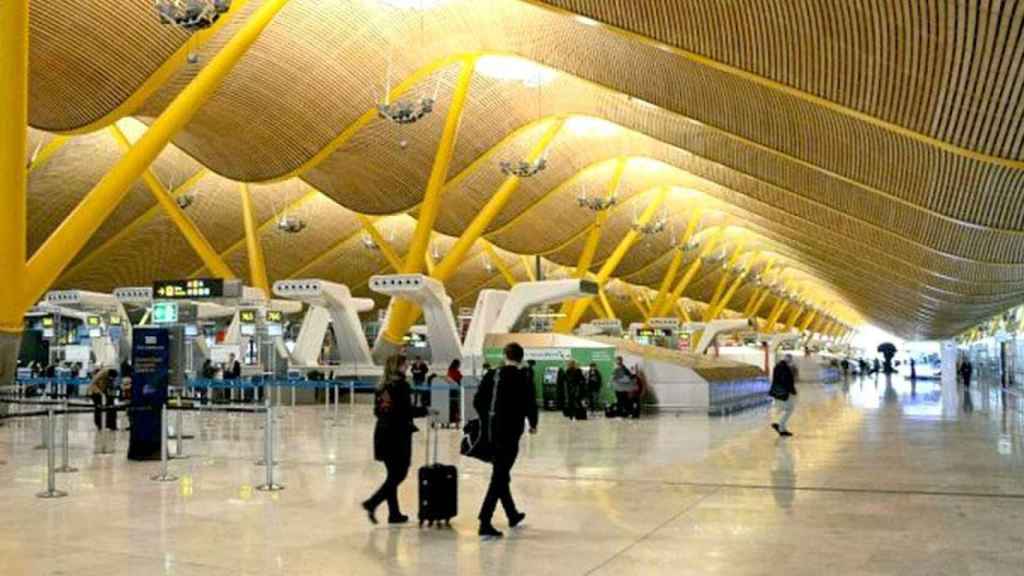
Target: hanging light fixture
{"points": [[291, 224], [185, 200], [368, 242], [191, 15]]}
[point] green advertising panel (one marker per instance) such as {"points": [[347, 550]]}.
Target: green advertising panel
{"points": [[602, 357]]}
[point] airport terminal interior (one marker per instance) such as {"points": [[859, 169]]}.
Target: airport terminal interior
{"points": [[746, 276]]}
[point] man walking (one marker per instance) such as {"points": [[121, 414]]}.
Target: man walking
{"points": [[514, 403], [783, 390]]}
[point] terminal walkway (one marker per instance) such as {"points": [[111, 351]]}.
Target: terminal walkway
{"points": [[879, 479]]}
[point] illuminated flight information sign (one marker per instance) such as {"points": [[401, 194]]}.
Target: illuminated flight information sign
{"points": [[247, 316], [188, 289], [165, 313], [93, 321], [275, 316]]}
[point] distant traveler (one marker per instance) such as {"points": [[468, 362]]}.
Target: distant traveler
{"points": [[625, 384], [575, 392], [515, 402], [101, 391], [419, 371], [845, 365], [455, 372], [913, 369], [594, 385], [392, 437], [877, 368], [233, 371], [966, 371], [783, 390]]}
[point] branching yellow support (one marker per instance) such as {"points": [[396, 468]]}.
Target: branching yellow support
{"points": [[597, 309], [690, 274], [46, 265], [510, 278], [603, 297], [644, 312], [195, 238], [794, 315], [676, 263], [594, 236], [47, 152], [404, 313], [683, 312], [709, 312], [807, 321], [568, 323], [528, 266], [385, 247], [13, 141], [773, 320], [253, 246]]}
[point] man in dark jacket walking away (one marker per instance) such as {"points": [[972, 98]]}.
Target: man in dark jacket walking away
{"points": [[783, 390], [514, 403]]}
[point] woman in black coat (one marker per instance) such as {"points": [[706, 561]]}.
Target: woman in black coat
{"points": [[392, 437]]}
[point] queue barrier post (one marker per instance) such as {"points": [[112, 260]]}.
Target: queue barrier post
{"points": [[42, 437], [179, 438], [352, 393], [337, 401], [65, 466], [51, 460], [164, 475], [268, 452]]}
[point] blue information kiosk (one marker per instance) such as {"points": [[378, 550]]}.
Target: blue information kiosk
{"points": [[151, 364]]}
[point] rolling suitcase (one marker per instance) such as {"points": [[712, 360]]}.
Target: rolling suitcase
{"points": [[438, 487]]}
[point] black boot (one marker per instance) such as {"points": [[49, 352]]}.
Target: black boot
{"points": [[489, 531]]}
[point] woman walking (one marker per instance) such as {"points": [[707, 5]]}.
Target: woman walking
{"points": [[392, 438]]}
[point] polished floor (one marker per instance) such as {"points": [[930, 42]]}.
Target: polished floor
{"points": [[879, 479]]}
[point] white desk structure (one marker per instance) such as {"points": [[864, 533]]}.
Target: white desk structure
{"points": [[430, 296], [329, 303]]}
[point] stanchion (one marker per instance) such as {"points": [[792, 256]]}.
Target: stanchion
{"points": [[179, 438], [42, 437], [327, 403], [65, 466], [268, 453], [293, 395], [462, 405], [51, 460], [352, 393], [164, 475], [337, 400]]}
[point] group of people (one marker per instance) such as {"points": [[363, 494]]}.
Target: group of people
{"points": [[578, 392], [508, 389]]}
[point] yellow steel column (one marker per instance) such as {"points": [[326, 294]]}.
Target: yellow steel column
{"points": [[510, 278], [691, 272], [754, 298], [13, 142], [598, 311], [450, 263], [794, 315], [47, 152], [733, 288], [646, 314], [45, 266], [403, 312], [253, 247], [609, 266], [720, 289], [594, 236], [206, 252], [528, 266], [677, 262], [683, 312], [807, 321], [774, 318], [385, 247], [603, 297]]}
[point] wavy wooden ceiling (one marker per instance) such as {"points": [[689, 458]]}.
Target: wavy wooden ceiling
{"points": [[874, 145]]}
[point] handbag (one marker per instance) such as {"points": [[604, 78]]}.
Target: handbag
{"points": [[477, 439]]}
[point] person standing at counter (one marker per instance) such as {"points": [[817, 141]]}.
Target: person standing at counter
{"points": [[594, 385]]}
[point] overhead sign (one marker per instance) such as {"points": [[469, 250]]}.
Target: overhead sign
{"points": [[189, 289], [47, 321], [664, 323], [114, 320], [165, 313], [275, 316], [607, 323], [93, 321], [547, 354], [247, 316]]}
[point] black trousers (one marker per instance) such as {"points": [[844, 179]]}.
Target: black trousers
{"points": [[499, 489], [398, 469], [97, 413]]}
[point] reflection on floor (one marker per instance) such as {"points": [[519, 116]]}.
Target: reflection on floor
{"points": [[881, 478]]}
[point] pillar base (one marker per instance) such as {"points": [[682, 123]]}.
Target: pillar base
{"points": [[384, 349]]}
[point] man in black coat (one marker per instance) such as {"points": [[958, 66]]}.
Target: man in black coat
{"points": [[516, 403], [783, 390]]}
